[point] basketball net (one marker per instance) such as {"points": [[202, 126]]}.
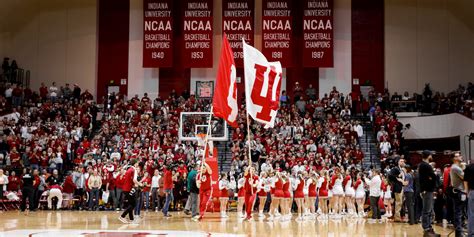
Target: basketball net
{"points": [[202, 143]]}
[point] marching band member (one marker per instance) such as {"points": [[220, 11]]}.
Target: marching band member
{"points": [[224, 187]]}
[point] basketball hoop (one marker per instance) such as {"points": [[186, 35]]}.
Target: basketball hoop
{"points": [[201, 139]]}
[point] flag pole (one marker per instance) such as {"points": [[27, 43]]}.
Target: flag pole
{"points": [[206, 140]]}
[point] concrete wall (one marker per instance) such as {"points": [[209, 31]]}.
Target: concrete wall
{"points": [[428, 41]]}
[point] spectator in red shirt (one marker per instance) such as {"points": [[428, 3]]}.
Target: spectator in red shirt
{"points": [[13, 182], [168, 176], [119, 181], [68, 190], [146, 180]]}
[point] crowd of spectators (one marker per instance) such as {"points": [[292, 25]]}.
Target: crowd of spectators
{"points": [[456, 101], [76, 146]]}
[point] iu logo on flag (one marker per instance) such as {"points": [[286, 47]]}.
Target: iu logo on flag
{"points": [[262, 86]]}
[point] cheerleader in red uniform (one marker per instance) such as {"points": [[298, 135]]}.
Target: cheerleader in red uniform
{"points": [[262, 189], [240, 197], [250, 187], [299, 194], [310, 198], [224, 194], [323, 193], [286, 205], [278, 194], [203, 182]]}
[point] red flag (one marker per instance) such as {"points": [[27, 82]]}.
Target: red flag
{"points": [[225, 92]]}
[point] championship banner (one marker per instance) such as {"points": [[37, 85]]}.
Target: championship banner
{"points": [[277, 30], [157, 33], [197, 31], [238, 23], [318, 33]]}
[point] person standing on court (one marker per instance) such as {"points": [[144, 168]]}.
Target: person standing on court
{"points": [[192, 202], [203, 182], [469, 187], [459, 192], [129, 191], [27, 191], [168, 175], [396, 177], [427, 187]]}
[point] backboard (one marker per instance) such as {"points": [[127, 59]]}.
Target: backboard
{"points": [[193, 123]]}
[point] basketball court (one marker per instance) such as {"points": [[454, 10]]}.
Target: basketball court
{"points": [[105, 224]]}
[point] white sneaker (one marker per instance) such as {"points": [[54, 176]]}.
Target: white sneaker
{"points": [[123, 220], [260, 214], [195, 218], [299, 218], [135, 222], [270, 218]]}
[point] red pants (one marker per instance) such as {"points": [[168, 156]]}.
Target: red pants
{"points": [[203, 198], [249, 200]]}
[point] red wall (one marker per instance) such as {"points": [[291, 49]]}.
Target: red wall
{"points": [[113, 37], [368, 42]]}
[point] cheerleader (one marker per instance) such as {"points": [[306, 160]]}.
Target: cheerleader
{"points": [[310, 194], [278, 194], [337, 192], [240, 196], [349, 193], [262, 189], [299, 194], [250, 187], [359, 195], [387, 198], [286, 204], [322, 187], [224, 187]]}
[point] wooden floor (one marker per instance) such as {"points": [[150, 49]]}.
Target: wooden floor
{"points": [[64, 223]]}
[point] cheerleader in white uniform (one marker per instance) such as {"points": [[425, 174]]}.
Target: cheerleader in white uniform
{"points": [[387, 199], [240, 196], [337, 192], [349, 193], [224, 187], [360, 194], [262, 189]]}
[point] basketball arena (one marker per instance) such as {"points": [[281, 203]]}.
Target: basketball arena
{"points": [[236, 118]]}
